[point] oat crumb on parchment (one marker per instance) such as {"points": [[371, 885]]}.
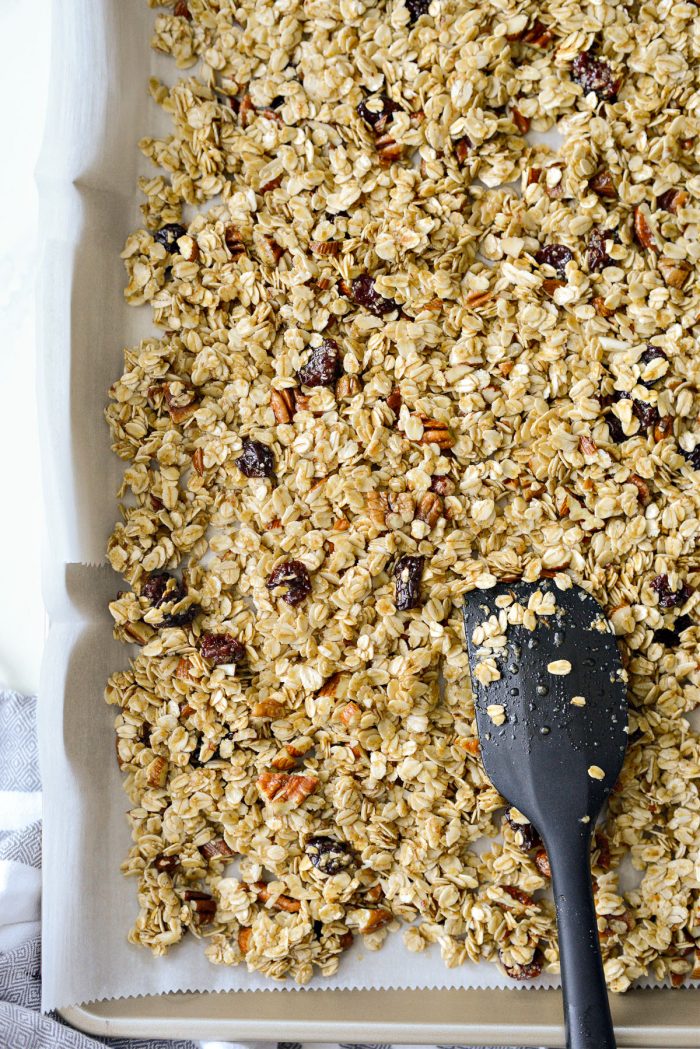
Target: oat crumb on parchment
{"points": [[402, 351]]}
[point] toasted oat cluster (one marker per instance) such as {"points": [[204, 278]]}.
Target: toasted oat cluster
{"points": [[405, 350]]}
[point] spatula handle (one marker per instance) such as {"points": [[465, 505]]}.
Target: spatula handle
{"points": [[586, 1009]]}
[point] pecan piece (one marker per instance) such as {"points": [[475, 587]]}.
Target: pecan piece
{"points": [[180, 400], [675, 272], [350, 713], [269, 250], [442, 485], [542, 863], [330, 686], [430, 509], [475, 299], [643, 231], [198, 461], [216, 848], [268, 708], [602, 184], [202, 903], [246, 110], [518, 895], [326, 247], [234, 242], [371, 918], [282, 902], [157, 772], [377, 508], [643, 490], [672, 200], [345, 941], [521, 122], [587, 445], [550, 285], [284, 791], [282, 404], [538, 35], [463, 147], [436, 432], [347, 386], [245, 934], [663, 428], [394, 400], [165, 864], [182, 10], [283, 762]]}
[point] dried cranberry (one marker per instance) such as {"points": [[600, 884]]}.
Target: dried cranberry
{"points": [[155, 586], [597, 254], [416, 8], [669, 598], [378, 119], [323, 366], [364, 293], [221, 648], [647, 414], [181, 618], [328, 855], [530, 837], [555, 255], [652, 353], [617, 434], [257, 460], [295, 576], [168, 236], [671, 637], [407, 576], [594, 74], [692, 457]]}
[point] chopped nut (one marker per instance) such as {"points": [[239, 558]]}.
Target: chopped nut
{"points": [[436, 432], [350, 713], [644, 492], [234, 242], [372, 918], [198, 461], [282, 404], [326, 247], [157, 772], [643, 231], [602, 184], [245, 935], [542, 863], [282, 903], [521, 122], [216, 848], [347, 386], [587, 445], [476, 299], [674, 271], [430, 509], [268, 708], [285, 792]]}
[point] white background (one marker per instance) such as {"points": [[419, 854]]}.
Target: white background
{"points": [[25, 32]]}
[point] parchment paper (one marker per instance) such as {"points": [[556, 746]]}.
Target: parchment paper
{"points": [[99, 109]]}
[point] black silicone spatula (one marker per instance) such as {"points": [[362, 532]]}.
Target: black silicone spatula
{"points": [[556, 760]]}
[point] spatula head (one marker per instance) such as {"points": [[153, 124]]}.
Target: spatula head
{"points": [[546, 755]]}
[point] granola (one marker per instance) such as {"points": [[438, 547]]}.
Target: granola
{"points": [[403, 352]]}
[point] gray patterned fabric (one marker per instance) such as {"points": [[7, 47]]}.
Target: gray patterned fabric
{"points": [[22, 1026]]}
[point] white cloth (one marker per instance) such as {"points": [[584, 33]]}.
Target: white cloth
{"points": [[21, 1023]]}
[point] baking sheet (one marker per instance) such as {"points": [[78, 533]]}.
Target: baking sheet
{"points": [[90, 163]]}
